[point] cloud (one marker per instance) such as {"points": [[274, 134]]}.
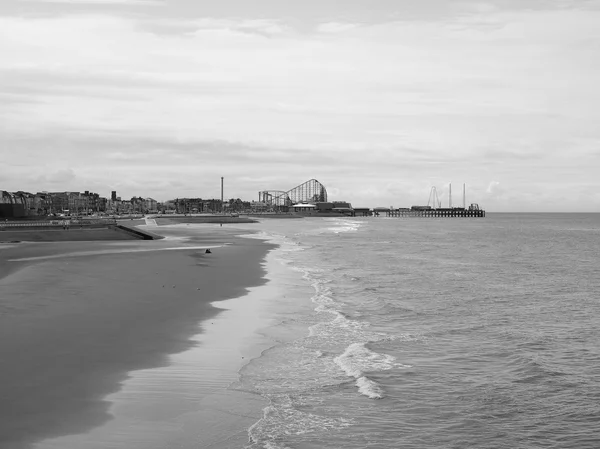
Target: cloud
{"points": [[59, 177], [494, 189], [335, 27], [103, 2], [492, 94]]}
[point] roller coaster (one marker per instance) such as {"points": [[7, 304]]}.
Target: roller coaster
{"points": [[309, 192]]}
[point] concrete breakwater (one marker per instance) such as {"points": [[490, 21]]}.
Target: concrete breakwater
{"points": [[57, 223], [70, 230]]}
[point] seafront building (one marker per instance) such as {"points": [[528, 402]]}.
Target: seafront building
{"points": [[24, 204], [203, 206], [27, 205]]}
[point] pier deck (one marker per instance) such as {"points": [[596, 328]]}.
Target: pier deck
{"points": [[435, 213]]}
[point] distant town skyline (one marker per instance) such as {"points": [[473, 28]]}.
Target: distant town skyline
{"points": [[379, 101]]}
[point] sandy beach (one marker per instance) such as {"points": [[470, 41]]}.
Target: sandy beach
{"points": [[77, 318]]}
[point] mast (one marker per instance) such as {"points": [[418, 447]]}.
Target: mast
{"points": [[222, 208], [450, 196]]}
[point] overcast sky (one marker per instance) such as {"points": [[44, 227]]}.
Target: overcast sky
{"points": [[378, 100]]}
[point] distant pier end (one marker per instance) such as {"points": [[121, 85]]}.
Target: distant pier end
{"points": [[472, 211]]}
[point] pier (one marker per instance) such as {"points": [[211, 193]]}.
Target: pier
{"points": [[434, 213], [434, 208]]}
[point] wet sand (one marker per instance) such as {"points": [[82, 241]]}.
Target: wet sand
{"points": [[72, 328]]}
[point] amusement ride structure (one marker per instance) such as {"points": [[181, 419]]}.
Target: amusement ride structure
{"points": [[309, 192]]}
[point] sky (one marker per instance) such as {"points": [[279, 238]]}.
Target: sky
{"points": [[379, 100]]}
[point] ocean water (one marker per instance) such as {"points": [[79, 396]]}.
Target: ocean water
{"points": [[434, 333]]}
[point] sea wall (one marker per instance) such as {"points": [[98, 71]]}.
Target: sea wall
{"points": [[174, 219]]}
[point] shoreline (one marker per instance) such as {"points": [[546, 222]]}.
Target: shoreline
{"points": [[189, 403], [102, 317]]}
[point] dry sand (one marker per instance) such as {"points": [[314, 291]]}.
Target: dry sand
{"points": [[72, 328]]}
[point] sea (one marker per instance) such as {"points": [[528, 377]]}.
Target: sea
{"points": [[432, 333]]}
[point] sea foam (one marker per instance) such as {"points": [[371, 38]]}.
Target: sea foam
{"points": [[357, 359]]}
